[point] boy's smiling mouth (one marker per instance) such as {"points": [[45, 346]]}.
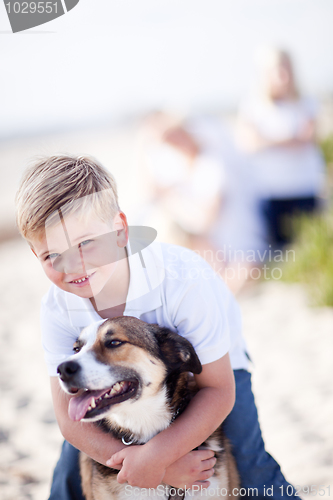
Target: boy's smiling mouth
{"points": [[82, 280]]}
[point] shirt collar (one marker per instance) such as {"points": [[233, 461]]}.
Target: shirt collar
{"points": [[146, 276]]}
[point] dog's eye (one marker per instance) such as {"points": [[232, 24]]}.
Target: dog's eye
{"points": [[109, 344], [77, 347]]}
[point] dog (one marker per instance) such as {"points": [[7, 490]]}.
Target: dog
{"points": [[133, 380]]}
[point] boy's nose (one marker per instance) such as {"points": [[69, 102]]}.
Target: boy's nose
{"points": [[70, 261], [102, 250]]}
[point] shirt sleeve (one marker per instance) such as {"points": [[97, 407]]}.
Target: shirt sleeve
{"points": [[205, 312], [58, 337]]}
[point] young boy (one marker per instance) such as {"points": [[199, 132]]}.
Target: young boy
{"points": [[67, 209]]}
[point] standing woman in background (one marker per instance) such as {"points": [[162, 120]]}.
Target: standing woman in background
{"points": [[277, 130]]}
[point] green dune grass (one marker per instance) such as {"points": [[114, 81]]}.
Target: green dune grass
{"points": [[313, 244]]}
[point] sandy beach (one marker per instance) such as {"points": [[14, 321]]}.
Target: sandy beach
{"points": [[291, 345]]}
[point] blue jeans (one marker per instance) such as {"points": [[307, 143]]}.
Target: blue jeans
{"points": [[257, 469]]}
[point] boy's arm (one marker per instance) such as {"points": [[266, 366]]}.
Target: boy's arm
{"points": [[146, 465], [192, 468]]}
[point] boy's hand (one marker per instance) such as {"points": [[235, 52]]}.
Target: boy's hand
{"points": [[142, 471], [137, 468], [194, 468]]}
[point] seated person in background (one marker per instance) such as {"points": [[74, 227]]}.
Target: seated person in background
{"points": [[184, 182], [200, 193]]}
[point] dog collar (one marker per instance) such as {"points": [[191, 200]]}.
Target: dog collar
{"points": [[127, 443]]}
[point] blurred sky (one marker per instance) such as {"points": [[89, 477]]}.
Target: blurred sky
{"points": [[108, 58]]}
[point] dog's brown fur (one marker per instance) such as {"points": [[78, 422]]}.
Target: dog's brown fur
{"points": [[152, 353]]}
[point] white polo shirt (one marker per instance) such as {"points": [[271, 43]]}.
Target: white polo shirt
{"points": [[170, 286]]}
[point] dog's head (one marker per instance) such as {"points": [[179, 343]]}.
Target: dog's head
{"points": [[122, 360]]}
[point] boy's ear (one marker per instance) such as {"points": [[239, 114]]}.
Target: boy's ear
{"points": [[121, 226]]}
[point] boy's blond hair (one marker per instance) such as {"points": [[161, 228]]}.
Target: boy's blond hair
{"points": [[58, 182]]}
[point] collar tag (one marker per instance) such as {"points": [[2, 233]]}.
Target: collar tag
{"points": [[127, 443]]}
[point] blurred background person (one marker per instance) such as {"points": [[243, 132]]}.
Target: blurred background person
{"points": [[182, 178], [199, 192], [277, 131]]}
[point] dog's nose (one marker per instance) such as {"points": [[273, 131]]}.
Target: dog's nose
{"points": [[68, 369]]}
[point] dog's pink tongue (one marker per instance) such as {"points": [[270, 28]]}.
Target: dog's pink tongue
{"points": [[78, 405]]}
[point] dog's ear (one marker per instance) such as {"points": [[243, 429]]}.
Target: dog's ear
{"points": [[177, 352]]}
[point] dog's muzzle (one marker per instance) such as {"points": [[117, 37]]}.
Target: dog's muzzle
{"points": [[89, 404]]}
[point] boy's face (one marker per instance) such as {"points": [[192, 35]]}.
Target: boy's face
{"points": [[79, 255]]}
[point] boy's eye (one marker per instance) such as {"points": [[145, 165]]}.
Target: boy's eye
{"points": [[52, 256], [84, 243], [110, 344]]}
